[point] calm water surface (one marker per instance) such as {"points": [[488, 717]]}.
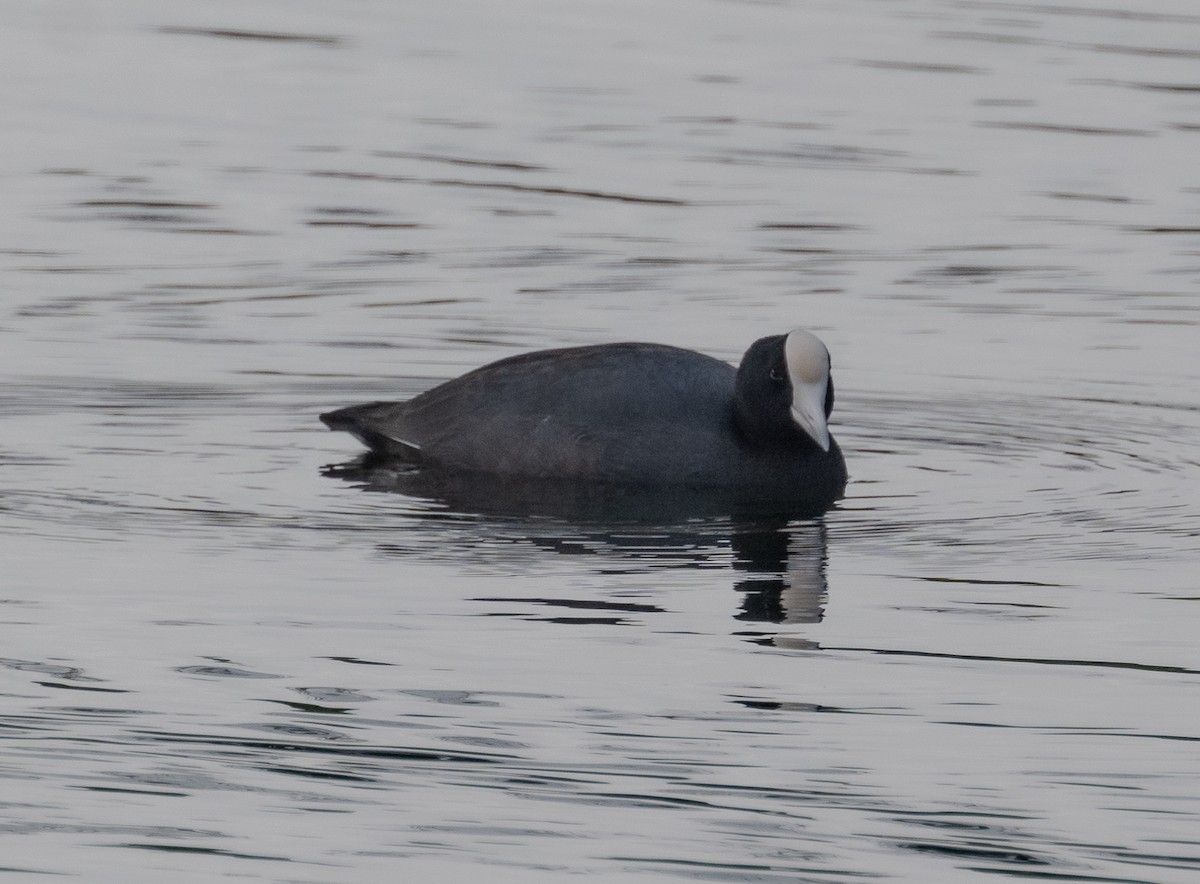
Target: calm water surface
{"points": [[221, 219]]}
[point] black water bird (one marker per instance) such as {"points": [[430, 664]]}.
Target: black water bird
{"points": [[630, 414]]}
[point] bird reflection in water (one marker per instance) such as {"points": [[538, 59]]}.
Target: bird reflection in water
{"points": [[778, 549], [782, 572]]}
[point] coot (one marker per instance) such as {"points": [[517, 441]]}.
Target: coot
{"points": [[627, 414]]}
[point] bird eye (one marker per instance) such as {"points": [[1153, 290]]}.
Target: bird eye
{"points": [[775, 374]]}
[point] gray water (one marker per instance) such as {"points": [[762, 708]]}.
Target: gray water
{"points": [[221, 219]]}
